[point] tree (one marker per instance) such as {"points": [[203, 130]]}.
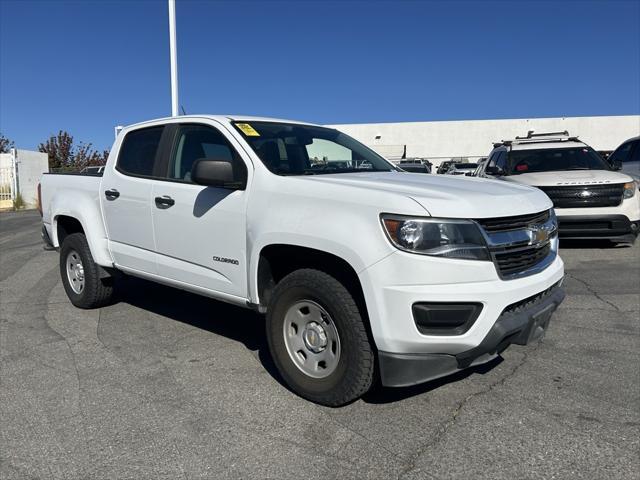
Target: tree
{"points": [[5, 144], [59, 149], [63, 154]]}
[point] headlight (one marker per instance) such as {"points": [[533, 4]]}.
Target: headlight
{"points": [[436, 236], [629, 190]]}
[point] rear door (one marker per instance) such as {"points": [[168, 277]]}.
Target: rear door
{"points": [[125, 196], [200, 231]]}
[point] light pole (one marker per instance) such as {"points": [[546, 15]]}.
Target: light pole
{"points": [[174, 60]]}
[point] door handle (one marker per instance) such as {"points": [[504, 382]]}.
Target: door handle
{"points": [[164, 202], [111, 194]]}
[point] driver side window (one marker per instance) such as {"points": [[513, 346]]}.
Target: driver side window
{"points": [[194, 142]]}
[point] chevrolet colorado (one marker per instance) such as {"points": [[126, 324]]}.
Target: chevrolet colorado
{"points": [[363, 271]]}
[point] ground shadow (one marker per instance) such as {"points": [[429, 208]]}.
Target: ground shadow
{"points": [[248, 327], [239, 324]]}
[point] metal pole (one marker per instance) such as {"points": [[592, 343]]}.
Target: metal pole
{"points": [[174, 59]]}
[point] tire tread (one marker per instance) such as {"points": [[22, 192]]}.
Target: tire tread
{"points": [[359, 377], [98, 292]]}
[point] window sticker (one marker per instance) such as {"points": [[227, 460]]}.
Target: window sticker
{"points": [[247, 129]]}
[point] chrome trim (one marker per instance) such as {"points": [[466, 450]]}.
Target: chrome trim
{"points": [[536, 236], [523, 236]]}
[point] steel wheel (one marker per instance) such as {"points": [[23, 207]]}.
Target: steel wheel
{"points": [[75, 271], [312, 339]]}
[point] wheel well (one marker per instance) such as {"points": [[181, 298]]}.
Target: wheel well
{"points": [[66, 226], [277, 261]]}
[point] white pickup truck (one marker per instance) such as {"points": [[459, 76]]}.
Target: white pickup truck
{"points": [[364, 271]]}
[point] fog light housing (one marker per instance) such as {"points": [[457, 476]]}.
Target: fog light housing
{"points": [[435, 318]]}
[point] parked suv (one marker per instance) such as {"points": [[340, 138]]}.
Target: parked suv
{"points": [[592, 199]]}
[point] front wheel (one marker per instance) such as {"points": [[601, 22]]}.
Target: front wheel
{"points": [[81, 275], [318, 339]]}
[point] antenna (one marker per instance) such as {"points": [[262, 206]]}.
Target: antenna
{"points": [[174, 60], [184, 112]]}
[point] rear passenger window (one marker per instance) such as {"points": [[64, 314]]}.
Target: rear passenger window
{"points": [[194, 142], [138, 151]]}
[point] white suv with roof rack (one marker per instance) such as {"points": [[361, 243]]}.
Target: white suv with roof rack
{"points": [[591, 197]]}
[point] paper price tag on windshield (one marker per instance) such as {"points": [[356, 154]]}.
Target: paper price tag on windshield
{"points": [[247, 129]]}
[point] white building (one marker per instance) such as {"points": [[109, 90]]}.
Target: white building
{"points": [[20, 172], [472, 139]]}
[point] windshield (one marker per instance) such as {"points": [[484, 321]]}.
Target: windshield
{"points": [[290, 149], [554, 159]]}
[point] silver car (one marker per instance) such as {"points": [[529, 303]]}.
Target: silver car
{"points": [[627, 156]]}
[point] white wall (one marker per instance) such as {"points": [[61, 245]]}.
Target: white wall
{"points": [[5, 160], [473, 138], [30, 166]]}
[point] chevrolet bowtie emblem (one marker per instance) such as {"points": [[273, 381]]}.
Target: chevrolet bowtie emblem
{"points": [[537, 234]]}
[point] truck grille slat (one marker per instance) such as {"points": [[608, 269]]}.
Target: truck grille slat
{"points": [[505, 224], [581, 196], [515, 262]]}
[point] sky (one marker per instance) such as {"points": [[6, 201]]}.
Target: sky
{"points": [[87, 66]]}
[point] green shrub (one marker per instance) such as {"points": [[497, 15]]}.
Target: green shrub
{"points": [[18, 202]]}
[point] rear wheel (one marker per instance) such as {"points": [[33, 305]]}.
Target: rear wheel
{"points": [[81, 275], [318, 339]]}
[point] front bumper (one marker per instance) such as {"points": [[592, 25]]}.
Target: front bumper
{"points": [[393, 285], [620, 223], [520, 323], [611, 227]]}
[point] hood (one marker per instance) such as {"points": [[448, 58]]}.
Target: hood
{"points": [[569, 177], [446, 195]]}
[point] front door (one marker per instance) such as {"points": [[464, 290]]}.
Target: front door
{"points": [[200, 231]]}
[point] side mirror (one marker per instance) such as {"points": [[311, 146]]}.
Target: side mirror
{"points": [[616, 165], [493, 170], [215, 173]]}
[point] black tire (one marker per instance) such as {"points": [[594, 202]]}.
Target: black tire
{"points": [[96, 291], [354, 372]]}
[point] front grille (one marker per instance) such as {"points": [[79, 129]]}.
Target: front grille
{"points": [[515, 260], [505, 224], [577, 196]]}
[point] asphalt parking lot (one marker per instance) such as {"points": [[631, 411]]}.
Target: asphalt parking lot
{"points": [[165, 384]]}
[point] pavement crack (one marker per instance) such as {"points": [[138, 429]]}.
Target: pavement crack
{"points": [[593, 291], [447, 424], [358, 434]]}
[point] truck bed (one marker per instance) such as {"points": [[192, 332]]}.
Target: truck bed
{"points": [[66, 189]]}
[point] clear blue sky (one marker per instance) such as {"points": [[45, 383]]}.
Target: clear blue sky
{"points": [[86, 66]]}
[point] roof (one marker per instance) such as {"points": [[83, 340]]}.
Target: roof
{"points": [[541, 141], [222, 119]]}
